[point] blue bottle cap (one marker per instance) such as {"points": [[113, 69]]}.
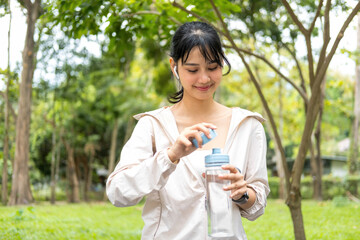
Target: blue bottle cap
{"points": [[216, 158], [205, 139]]}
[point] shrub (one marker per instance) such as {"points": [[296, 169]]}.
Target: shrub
{"points": [[331, 186]]}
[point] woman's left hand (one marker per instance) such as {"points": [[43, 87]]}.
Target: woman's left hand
{"points": [[238, 185]]}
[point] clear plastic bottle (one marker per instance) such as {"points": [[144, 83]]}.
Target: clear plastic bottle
{"points": [[218, 201]]}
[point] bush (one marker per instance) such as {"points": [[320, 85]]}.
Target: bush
{"points": [[274, 187], [331, 188]]}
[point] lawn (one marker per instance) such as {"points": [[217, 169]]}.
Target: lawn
{"points": [[337, 219], [323, 220]]}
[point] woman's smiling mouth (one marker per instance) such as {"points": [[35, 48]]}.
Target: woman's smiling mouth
{"points": [[204, 88]]}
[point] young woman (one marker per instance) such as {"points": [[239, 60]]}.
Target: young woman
{"points": [[160, 162]]}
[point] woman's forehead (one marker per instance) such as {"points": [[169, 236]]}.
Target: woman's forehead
{"points": [[197, 54]]}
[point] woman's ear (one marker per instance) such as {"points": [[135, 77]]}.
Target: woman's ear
{"points": [[172, 63]]}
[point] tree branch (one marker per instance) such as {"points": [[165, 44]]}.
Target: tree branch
{"points": [[307, 35], [11, 108], [300, 91], [299, 69], [175, 4], [294, 17], [141, 13], [326, 36], [340, 35], [310, 58], [51, 122], [262, 97], [130, 15], [316, 15], [26, 3]]}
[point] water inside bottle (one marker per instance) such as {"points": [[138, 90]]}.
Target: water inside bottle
{"points": [[219, 207]]}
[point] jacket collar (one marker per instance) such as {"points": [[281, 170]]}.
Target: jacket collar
{"points": [[165, 117]]}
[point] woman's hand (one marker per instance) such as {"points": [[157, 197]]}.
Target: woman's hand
{"points": [[238, 185], [183, 145]]}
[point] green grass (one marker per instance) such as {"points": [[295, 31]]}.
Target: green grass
{"points": [[336, 219], [71, 221]]}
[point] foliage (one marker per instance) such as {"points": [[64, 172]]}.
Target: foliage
{"points": [[333, 187], [338, 102], [87, 98], [4, 8]]}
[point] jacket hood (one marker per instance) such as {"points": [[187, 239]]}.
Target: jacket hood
{"points": [[165, 118]]}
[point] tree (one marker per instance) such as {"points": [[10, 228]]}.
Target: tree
{"points": [[353, 161], [4, 189], [20, 189], [354, 147]]}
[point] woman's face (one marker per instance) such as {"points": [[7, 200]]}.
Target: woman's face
{"points": [[199, 78]]}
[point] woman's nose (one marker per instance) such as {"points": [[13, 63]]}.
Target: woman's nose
{"points": [[204, 78]]}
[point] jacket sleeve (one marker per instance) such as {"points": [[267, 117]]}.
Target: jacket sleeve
{"points": [[256, 172], [141, 169]]}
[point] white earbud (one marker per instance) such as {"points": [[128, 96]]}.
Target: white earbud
{"points": [[176, 74]]}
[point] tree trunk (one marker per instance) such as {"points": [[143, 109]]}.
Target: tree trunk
{"points": [[296, 215], [354, 146], [89, 176], [4, 189], [294, 196], [53, 169], [278, 160], [57, 165], [73, 194], [113, 149], [20, 190], [316, 160], [317, 178], [88, 172], [313, 165], [53, 157], [279, 165]]}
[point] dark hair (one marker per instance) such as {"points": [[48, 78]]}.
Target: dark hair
{"points": [[196, 34]]}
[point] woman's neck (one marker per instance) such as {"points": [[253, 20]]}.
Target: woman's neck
{"points": [[191, 110]]}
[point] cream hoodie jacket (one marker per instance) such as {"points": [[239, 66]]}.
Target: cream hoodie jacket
{"points": [[175, 193]]}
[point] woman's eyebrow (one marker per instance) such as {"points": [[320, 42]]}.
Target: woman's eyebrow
{"points": [[196, 64]]}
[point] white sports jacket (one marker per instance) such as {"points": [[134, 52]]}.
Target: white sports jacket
{"points": [[175, 193]]}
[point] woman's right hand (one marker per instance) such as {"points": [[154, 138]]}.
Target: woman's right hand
{"points": [[183, 145]]}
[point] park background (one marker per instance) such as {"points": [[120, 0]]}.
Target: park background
{"points": [[97, 63]]}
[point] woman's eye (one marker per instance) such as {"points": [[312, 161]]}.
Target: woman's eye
{"points": [[213, 68], [192, 71]]}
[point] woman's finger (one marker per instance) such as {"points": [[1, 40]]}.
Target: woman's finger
{"points": [[236, 195], [235, 185], [231, 168]]}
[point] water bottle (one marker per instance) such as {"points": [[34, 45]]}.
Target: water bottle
{"points": [[218, 201]]}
